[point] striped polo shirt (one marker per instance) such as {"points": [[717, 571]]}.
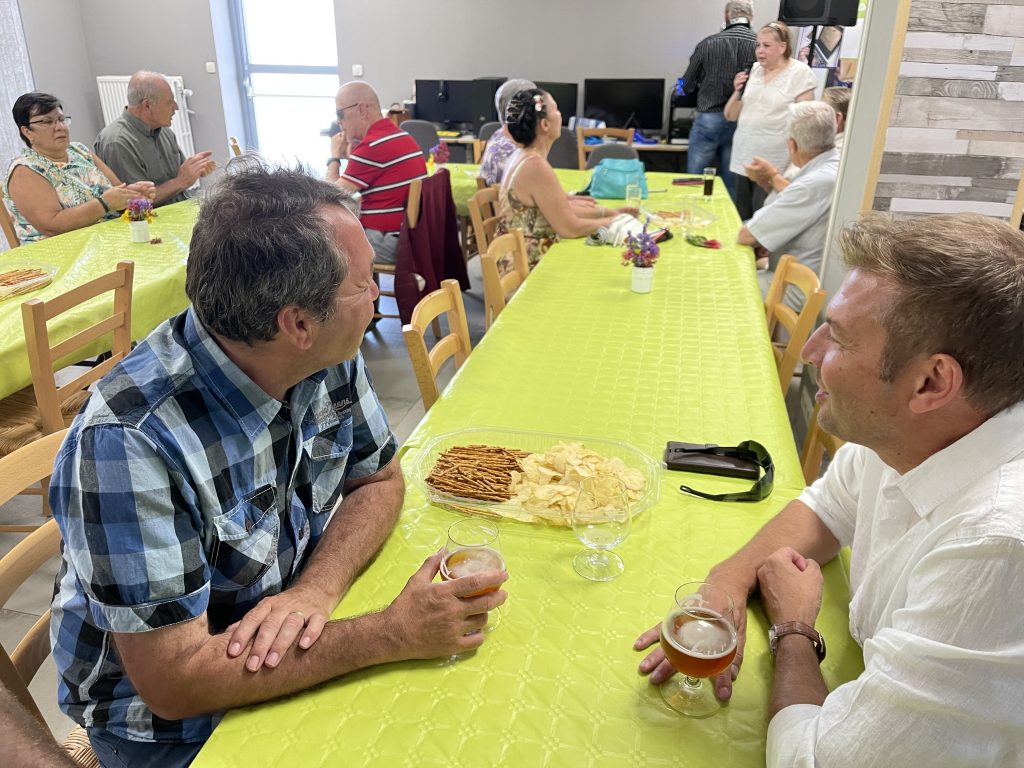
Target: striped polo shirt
{"points": [[382, 166]]}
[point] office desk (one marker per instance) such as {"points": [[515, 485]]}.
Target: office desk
{"points": [[575, 352], [77, 257]]}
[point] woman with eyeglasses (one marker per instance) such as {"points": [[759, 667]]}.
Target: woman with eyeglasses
{"points": [[55, 185], [760, 105]]}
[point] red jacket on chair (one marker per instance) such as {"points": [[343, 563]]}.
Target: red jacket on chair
{"points": [[430, 249]]}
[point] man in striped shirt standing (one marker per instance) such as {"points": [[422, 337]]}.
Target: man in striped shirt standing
{"points": [[713, 65], [383, 160]]}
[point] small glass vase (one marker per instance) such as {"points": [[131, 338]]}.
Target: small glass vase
{"points": [[643, 279], [139, 231]]}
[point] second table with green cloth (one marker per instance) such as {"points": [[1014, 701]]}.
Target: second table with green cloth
{"points": [[158, 290], [556, 684]]}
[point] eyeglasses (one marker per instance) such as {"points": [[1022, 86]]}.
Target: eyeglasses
{"points": [[340, 113], [749, 450], [50, 122]]}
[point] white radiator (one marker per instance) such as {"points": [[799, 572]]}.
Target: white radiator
{"points": [[114, 99]]}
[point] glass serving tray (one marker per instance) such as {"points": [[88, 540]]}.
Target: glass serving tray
{"points": [[534, 442], [31, 283]]}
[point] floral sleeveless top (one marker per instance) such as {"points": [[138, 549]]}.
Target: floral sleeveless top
{"points": [[515, 214], [77, 181]]}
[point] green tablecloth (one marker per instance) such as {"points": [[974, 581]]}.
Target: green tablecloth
{"points": [[556, 684], [79, 256]]}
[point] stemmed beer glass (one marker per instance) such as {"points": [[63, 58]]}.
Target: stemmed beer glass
{"points": [[600, 519], [699, 639]]}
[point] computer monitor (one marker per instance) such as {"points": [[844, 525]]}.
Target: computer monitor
{"points": [[456, 104], [567, 96], [622, 102]]}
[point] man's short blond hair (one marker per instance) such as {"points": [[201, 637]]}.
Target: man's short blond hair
{"points": [[958, 282]]}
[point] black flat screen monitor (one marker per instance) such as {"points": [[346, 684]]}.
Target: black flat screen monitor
{"points": [[623, 103], [567, 96], [455, 104]]}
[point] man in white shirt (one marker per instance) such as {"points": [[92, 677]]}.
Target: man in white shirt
{"points": [[796, 220], [920, 370]]}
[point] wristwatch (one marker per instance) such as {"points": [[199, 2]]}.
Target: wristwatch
{"points": [[333, 160], [779, 631]]}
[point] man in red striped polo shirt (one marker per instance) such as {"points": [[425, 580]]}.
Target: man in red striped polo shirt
{"points": [[383, 160]]}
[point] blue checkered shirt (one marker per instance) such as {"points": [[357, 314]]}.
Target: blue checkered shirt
{"points": [[183, 488]]}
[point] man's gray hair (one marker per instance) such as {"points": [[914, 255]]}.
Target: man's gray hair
{"points": [[145, 85], [736, 8], [262, 242], [506, 91], [812, 125]]}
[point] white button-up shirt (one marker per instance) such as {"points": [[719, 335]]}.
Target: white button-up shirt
{"points": [[936, 576]]}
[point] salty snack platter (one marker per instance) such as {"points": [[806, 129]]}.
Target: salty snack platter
{"points": [[528, 504]]}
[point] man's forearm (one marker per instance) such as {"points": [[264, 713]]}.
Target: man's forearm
{"points": [[361, 524], [795, 526], [26, 742], [169, 189], [797, 678]]}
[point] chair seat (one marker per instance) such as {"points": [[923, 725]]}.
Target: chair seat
{"points": [[78, 748], [21, 422]]}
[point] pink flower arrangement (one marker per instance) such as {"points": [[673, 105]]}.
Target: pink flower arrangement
{"points": [[641, 250], [439, 152]]}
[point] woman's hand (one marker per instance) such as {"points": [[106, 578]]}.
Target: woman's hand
{"points": [[146, 189], [630, 209], [739, 80], [117, 198]]}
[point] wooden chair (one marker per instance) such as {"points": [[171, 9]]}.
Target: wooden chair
{"points": [[29, 465], [7, 225], [798, 325], [445, 300], [483, 212], [498, 287], [582, 148], [817, 445], [236, 150], [44, 408]]}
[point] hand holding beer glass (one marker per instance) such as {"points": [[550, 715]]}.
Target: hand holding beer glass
{"points": [[699, 639], [472, 547]]}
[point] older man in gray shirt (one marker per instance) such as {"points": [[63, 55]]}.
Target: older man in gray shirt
{"points": [[139, 144]]}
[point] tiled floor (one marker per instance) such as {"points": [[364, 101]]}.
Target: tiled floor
{"points": [[388, 361]]}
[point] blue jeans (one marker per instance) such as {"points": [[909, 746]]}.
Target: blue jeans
{"points": [[115, 752], [711, 145]]}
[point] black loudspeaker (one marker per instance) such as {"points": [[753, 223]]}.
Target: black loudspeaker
{"points": [[829, 13]]}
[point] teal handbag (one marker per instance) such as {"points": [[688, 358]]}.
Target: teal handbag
{"points": [[613, 175]]}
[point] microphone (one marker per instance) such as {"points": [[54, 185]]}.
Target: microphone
{"points": [[739, 96], [442, 92]]}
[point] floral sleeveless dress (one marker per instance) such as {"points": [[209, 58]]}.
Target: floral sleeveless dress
{"points": [[77, 181], [515, 214]]}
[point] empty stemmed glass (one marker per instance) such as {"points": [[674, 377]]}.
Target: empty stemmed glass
{"points": [[600, 519], [699, 639]]}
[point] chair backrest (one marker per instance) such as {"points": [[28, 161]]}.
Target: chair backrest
{"points": [[797, 324], [498, 287], [602, 151], [817, 444], [483, 212], [445, 300], [236, 150], [423, 132], [563, 152], [7, 225], [487, 130], [44, 358], [582, 148], [19, 470]]}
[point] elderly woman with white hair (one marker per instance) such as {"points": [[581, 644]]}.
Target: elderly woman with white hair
{"points": [[796, 220], [501, 145]]}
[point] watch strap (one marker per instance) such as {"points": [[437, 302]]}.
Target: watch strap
{"points": [[333, 160], [106, 208], [799, 628]]}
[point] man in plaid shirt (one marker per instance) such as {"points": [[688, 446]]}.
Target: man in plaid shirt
{"points": [[228, 481]]}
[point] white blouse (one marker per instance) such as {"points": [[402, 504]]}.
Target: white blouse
{"points": [[761, 129]]}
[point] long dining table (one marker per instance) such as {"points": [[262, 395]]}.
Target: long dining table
{"points": [[158, 290], [577, 354]]}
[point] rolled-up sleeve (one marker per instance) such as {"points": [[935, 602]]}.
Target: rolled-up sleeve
{"points": [[129, 531]]}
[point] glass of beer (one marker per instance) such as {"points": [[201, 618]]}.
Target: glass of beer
{"points": [[472, 547], [699, 639], [600, 519]]}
